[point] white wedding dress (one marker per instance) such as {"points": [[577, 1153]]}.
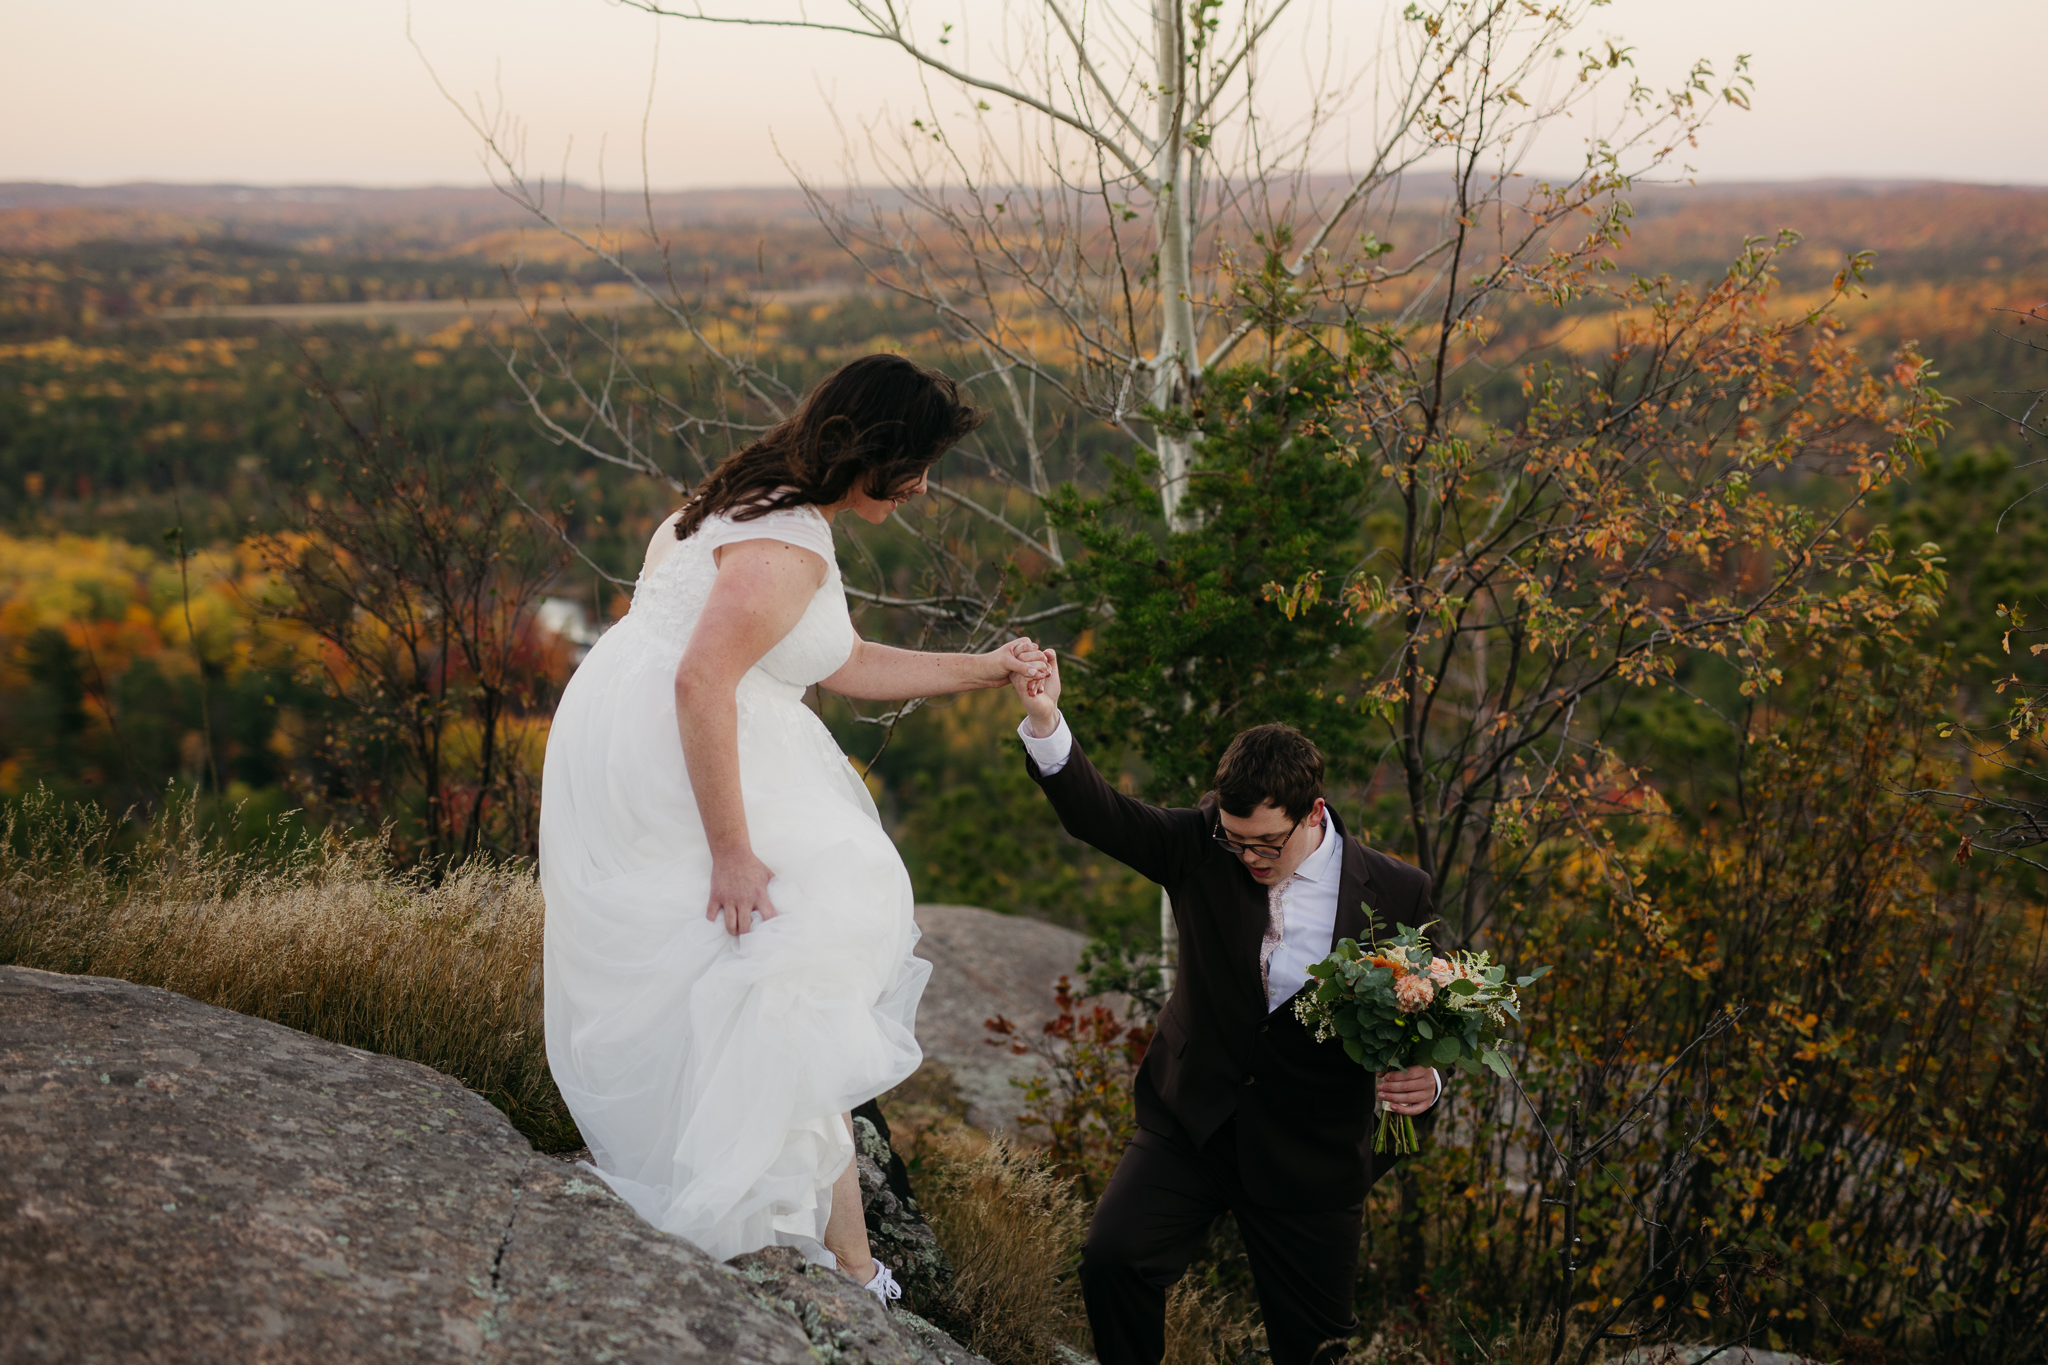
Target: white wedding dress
{"points": [[708, 1072]]}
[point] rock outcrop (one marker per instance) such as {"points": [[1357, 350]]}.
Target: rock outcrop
{"points": [[985, 964], [840, 1318], [898, 1234], [182, 1183]]}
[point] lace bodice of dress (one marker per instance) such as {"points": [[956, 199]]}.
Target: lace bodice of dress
{"points": [[668, 600]]}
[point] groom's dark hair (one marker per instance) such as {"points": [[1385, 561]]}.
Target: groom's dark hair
{"points": [[1276, 763]]}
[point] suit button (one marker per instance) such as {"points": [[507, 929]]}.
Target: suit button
{"points": [[1251, 1080]]}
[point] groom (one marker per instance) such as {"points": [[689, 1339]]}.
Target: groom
{"points": [[1239, 1107]]}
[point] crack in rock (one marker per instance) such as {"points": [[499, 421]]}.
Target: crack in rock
{"points": [[489, 1325]]}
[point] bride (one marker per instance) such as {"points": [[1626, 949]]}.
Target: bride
{"points": [[710, 1058]]}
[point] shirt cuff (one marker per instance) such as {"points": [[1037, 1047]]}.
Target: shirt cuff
{"points": [[1438, 1077], [1050, 753]]}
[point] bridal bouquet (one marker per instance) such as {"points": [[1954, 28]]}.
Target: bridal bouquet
{"points": [[1398, 1004]]}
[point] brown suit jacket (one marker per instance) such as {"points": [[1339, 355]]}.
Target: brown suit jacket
{"points": [[1304, 1109]]}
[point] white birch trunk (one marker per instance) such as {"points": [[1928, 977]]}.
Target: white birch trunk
{"points": [[1174, 366]]}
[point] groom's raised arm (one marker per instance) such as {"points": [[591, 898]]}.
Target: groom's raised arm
{"points": [[1151, 841]]}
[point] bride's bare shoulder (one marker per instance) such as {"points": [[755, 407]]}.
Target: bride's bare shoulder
{"points": [[661, 545]]}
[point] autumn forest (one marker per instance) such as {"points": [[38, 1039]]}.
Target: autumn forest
{"points": [[310, 501]]}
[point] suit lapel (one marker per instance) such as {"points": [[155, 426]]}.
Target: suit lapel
{"points": [[1355, 891], [1251, 911]]}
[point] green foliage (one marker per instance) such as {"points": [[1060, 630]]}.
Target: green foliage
{"points": [[1207, 632], [1755, 990], [987, 842], [1988, 516], [1985, 505], [1110, 966]]}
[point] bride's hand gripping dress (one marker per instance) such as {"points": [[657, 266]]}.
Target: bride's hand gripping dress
{"points": [[707, 1054]]}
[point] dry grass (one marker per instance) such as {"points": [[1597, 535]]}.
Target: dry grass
{"points": [[323, 936], [1205, 1326], [1415, 1343], [1012, 1230]]}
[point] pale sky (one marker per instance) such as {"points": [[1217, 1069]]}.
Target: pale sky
{"points": [[279, 92]]}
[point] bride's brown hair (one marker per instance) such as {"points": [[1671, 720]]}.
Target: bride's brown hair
{"points": [[880, 421]]}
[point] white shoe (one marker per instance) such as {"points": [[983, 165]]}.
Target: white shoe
{"points": [[883, 1286]]}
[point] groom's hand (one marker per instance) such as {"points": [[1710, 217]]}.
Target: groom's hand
{"points": [[1041, 696], [1020, 660], [1408, 1092]]}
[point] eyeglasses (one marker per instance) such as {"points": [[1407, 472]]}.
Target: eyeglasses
{"points": [[1256, 850]]}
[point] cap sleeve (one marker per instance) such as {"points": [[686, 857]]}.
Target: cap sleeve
{"points": [[804, 527]]}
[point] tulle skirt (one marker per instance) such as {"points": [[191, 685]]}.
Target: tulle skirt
{"points": [[708, 1072]]}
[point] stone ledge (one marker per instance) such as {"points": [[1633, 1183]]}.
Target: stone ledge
{"points": [[184, 1183]]}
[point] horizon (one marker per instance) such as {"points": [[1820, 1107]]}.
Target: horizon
{"points": [[249, 94], [585, 187]]}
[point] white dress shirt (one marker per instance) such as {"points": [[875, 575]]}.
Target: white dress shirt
{"points": [[1050, 753], [1308, 899], [1308, 919]]}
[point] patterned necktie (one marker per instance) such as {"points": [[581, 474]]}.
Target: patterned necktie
{"points": [[1276, 934]]}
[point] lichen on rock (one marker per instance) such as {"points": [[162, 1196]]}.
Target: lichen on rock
{"points": [[844, 1323], [898, 1234]]}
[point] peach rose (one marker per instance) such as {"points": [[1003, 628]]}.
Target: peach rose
{"points": [[1413, 993], [1441, 971]]}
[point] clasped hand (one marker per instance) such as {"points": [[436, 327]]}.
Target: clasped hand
{"points": [[739, 891], [1408, 1092], [1018, 663], [1040, 693]]}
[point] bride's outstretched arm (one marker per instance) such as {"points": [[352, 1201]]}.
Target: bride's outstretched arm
{"points": [[759, 595], [884, 673]]}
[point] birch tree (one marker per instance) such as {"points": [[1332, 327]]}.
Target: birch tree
{"points": [[1072, 188], [1068, 193]]}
